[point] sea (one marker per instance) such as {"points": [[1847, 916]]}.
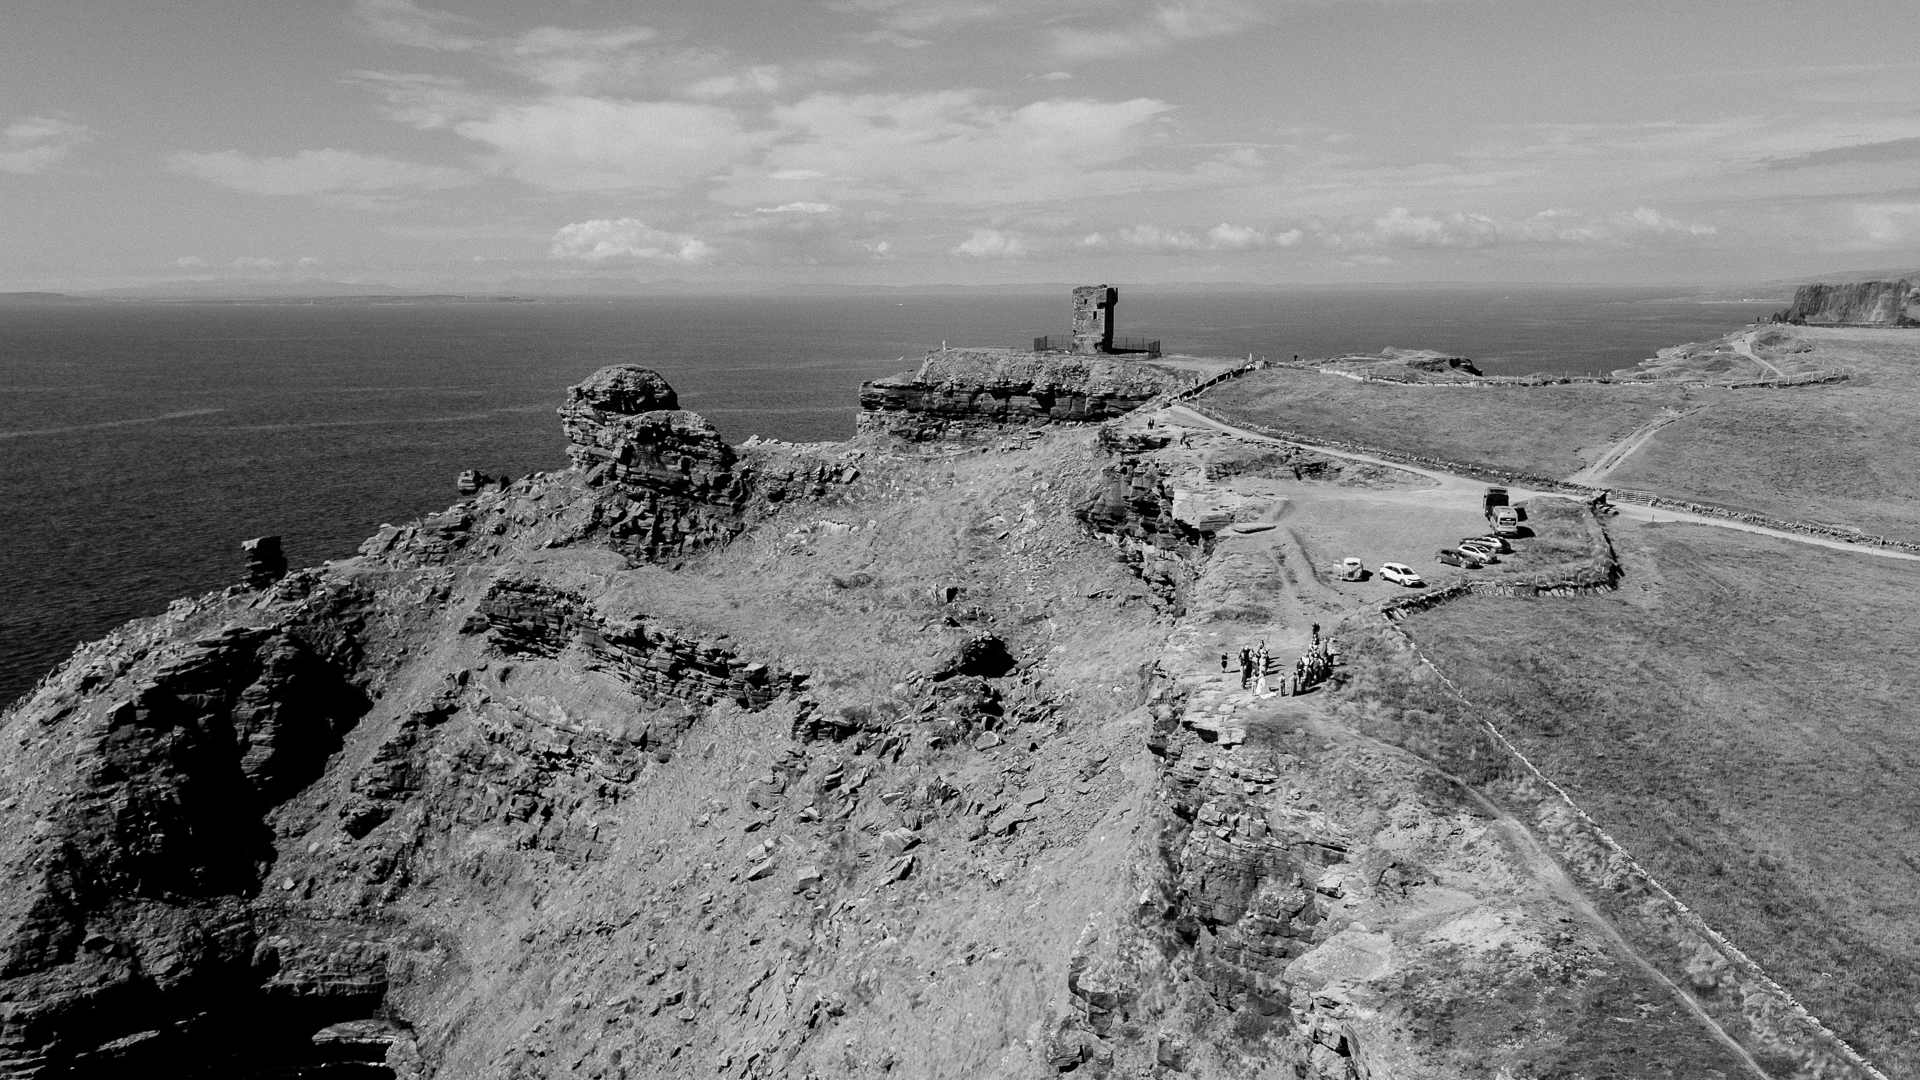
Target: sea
{"points": [[140, 442]]}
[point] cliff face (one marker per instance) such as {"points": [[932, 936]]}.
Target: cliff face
{"points": [[898, 772], [1859, 303], [1003, 386]]}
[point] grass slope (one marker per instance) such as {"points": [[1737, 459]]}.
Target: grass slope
{"points": [[1545, 430], [1739, 716], [1845, 454]]}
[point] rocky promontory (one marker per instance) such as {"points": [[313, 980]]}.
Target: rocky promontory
{"points": [[1006, 386], [1854, 303], [865, 759]]}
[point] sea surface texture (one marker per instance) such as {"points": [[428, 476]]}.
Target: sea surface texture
{"points": [[141, 442]]}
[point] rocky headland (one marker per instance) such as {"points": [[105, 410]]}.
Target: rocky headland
{"points": [[1854, 303], [913, 755]]}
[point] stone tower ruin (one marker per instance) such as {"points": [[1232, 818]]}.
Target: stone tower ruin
{"points": [[1093, 318]]}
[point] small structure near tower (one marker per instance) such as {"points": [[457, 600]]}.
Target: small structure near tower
{"points": [[1093, 327], [1093, 318]]}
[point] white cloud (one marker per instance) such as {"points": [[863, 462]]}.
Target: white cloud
{"points": [[1400, 227], [625, 238], [1222, 237], [1166, 25], [894, 38], [1885, 224], [993, 244], [918, 16], [34, 144], [403, 22], [576, 143], [315, 172], [256, 262], [798, 208], [948, 147]]}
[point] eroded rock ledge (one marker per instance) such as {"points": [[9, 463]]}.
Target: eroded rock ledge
{"points": [[954, 388]]}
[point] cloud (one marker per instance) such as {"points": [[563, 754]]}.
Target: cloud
{"points": [[894, 38], [34, 144], [256, 262], [1222, 237], [593, 144], [993, 244], [1886, 224], [315, 172], [798, 208], [625, 238], [949, 147], [618, 60], [1401, 227], [1167, 24], [1875, 153], [402, 22], [918, 16]]}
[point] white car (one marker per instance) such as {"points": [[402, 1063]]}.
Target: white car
{"points": [[1481, 550], [1402, 574]]}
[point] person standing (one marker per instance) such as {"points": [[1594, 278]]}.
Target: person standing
{"points": [[1246, 666]]}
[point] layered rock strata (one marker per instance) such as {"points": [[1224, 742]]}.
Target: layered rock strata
{"points": [[1854, 303], [625, 429], [957, 388]]}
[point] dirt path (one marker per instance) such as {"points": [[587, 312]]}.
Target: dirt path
{"points": [[1471, 488], [1547, 870], [1744, 346], [1619, 452]]}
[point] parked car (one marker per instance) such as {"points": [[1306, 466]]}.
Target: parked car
{"points": [[1498, 542], [1453, 557], [1402, 574], [1486, 553], [1505, 520], [1352, 569]]}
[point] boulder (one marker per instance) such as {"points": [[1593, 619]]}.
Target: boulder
{"points": [[983, 655]]}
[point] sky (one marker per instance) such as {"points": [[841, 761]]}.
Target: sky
{"points": [[593, 144]]}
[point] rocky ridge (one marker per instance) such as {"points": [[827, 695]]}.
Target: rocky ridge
{"points": [[898, 771]]}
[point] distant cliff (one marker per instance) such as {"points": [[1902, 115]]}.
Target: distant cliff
{"points": [[1855, 303]]}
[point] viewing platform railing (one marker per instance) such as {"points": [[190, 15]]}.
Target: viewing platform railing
{"points": [[1129, 345]]}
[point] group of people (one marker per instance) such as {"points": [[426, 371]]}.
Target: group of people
{"points": [[1313, 666]]}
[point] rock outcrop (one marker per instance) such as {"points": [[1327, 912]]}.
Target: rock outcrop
{"points": [[1854, 303], [958, 388], [625, 428]]}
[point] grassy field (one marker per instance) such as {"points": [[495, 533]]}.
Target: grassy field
{"points": [[1843, 454], [1546, 430], [1740, 716]]}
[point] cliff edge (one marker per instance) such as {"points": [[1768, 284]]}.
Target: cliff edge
{"points": [[1854, 303]]}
